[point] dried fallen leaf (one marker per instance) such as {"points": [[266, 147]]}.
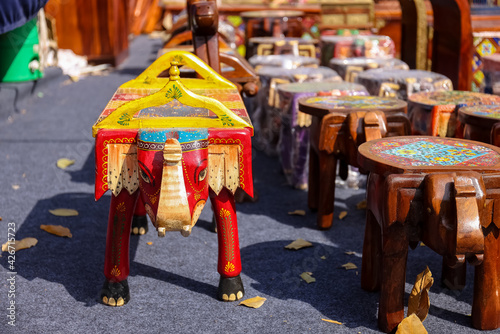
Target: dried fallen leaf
{"points": [[349, 266], [149, 243], [419, 302], [323, 257], [422, 244], [411, 325], [58, 230], [254, 302], [64, 163], [297, 213], [332, 321], [21, 244], [0, 219], [342, 215], [350, 253], [64, 212], [307, 277], [298, 244], [15, 186], [361, 205]]}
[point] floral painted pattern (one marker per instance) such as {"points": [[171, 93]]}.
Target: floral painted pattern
{"points": [[354, 102], [487, 111], [455, 97]]}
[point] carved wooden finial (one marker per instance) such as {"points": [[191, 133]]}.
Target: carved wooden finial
{"points": [[174, 70]]}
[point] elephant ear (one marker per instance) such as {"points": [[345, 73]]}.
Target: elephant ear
{"points": [[122, 168], [223, 167]]}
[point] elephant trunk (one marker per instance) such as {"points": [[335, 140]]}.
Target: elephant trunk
{"points": [[173, 207]]}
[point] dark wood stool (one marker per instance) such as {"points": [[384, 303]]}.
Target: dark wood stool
{"points": [[441, 191], [435, 113], [481, 123], [349, 68], [339, 126]]}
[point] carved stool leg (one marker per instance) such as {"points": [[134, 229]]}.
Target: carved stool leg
{"points": [[229, 262], [327, 175], [139, 222], [313, 193], [372, 254], [115, 291], [486, 302], [394, 256], [453, 277]]}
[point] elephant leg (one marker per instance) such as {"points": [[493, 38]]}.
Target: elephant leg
{"points": [[453, 277], [115, 291], [372, 254], [229, 262], [140, 221], [327, 175], [313, 193], [394, 256], [486, 302]]}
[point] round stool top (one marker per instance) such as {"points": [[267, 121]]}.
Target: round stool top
{"points": [[272, 40], [480, 115], [342, 64], [322, 105], [425, 153], [284, 61], [400, 75], [454, 97], [297, 74], [261, 14], [315, 87]]}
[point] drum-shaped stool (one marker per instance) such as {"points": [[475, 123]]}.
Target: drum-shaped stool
{"points": [[481, 123], [349, 68]]}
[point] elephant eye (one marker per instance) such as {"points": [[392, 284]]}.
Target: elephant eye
{"points": [[202, 175], [144, 176]]}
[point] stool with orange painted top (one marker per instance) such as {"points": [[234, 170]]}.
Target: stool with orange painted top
{"points": [[435, 113], [339, 125]]}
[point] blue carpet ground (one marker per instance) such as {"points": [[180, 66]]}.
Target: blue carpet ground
{"points": [[173, 281]]}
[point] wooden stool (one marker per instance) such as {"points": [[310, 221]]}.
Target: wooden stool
{"points": [[434, 113], [284, 61], [339, 126], [402, 83], [491, 71], [267, 114], [294, 130], [371, 46], [481, 123], [285, 45], [349, 68], [441, 191]]}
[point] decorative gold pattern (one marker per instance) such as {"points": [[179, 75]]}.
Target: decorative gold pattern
{"points": [[115, 271]]}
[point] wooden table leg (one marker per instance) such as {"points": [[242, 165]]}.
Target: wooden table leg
{"points": [[313, 183], [327, 174], [372, 254], [453, 277], [486, 302], [394, 255]]}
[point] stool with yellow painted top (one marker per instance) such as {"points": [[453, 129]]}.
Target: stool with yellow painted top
{"points": [[188, 140], [339, 125]]}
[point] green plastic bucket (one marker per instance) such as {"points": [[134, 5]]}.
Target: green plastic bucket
{"points": [[18, 48]]}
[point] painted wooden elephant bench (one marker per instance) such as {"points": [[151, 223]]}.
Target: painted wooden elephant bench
{"points": [[163, 146], [444, 192]]}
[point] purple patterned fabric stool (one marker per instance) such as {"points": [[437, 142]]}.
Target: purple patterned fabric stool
{"points": [[294, 132], [349, 68]]}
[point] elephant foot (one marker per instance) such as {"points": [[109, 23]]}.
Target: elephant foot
{"points": [[213, 227], [230, 289], [139, 225], [115, 293]]}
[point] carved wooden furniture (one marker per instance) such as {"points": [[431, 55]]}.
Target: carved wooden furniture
{"points": [[275, 23], [349, 68], [414, 31], [175, 142], [491, 71], [350, 14], [443, 192], [97, 29], [402, 83], [285, 45], [294, 131], [435, 113], [481, 123], [371, 46], [452, 46], [267, 114], [339, 126]]}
